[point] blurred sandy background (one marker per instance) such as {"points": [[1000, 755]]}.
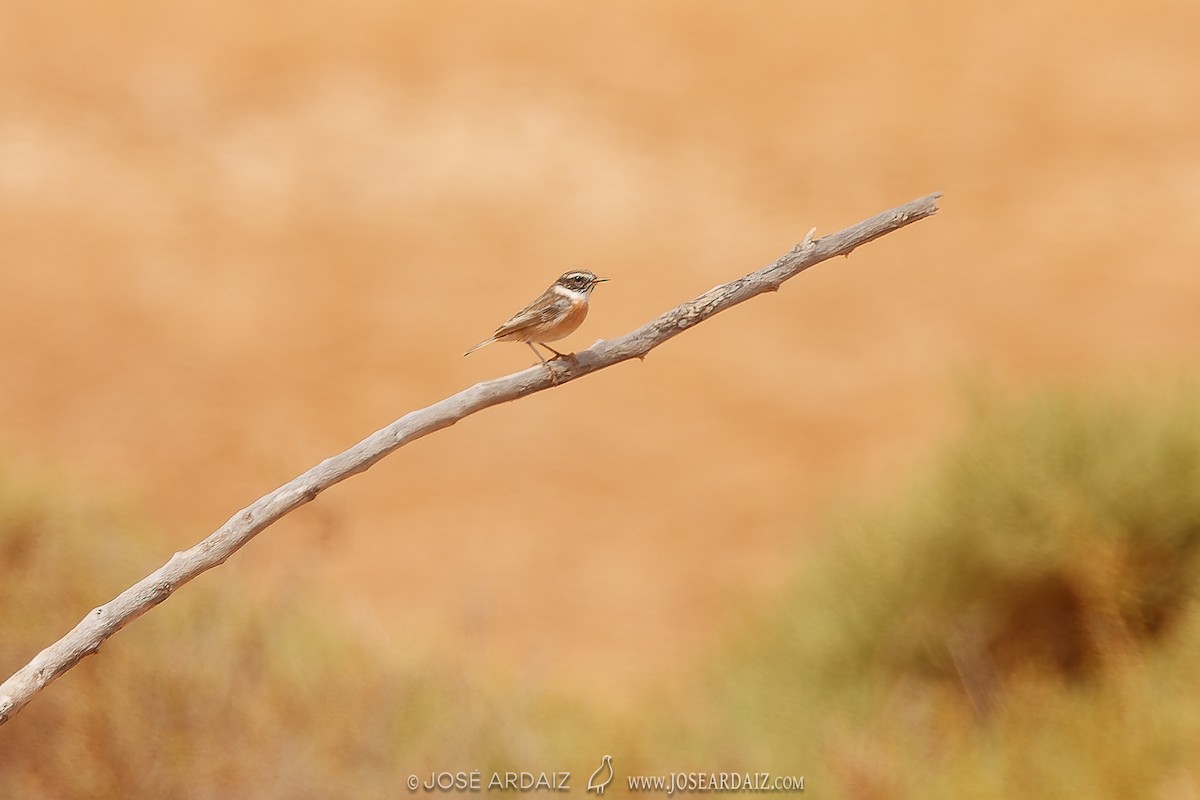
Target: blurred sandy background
{"points": [[235, 238]]}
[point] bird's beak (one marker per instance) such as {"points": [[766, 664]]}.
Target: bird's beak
{"points": [[600, 280]]}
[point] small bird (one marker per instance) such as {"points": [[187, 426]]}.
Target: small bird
{"points": [[553, 316], [602, 777]]}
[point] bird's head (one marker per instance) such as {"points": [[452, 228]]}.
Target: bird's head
{"points": [[579, 280]]}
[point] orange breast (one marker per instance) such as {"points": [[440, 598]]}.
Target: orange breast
{"points": [[563, 328]]}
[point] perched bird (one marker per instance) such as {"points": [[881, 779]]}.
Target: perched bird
{"points": [[553, 316], [602, 777]]}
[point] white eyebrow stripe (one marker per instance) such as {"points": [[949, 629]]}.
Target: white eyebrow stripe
{"points": [[577, 297]]}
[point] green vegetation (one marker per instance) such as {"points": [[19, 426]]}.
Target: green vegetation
{"points": [[1024, 622]]}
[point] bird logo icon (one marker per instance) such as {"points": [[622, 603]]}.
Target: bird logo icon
{"points": [[602, 777]]}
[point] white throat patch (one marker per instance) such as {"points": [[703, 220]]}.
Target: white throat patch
{"points": [[576, 297]]}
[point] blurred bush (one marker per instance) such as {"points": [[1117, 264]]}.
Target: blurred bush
{"points": [[1020, 620]]}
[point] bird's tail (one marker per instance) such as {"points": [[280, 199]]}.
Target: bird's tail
{"points": [[484, 343]]}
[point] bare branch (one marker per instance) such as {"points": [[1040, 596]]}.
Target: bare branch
{"points": [[103, 621]]}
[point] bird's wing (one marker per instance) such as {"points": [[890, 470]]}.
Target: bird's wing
{"points": [[539, 312]]}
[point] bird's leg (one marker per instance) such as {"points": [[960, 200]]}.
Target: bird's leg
{"points": [[545, 363], [537, 353], [557, 355]]}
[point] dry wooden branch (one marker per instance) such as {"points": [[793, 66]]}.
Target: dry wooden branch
{"points": [[103, 621]]}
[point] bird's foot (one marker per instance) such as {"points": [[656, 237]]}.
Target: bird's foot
{"points": [[557, 355]]}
